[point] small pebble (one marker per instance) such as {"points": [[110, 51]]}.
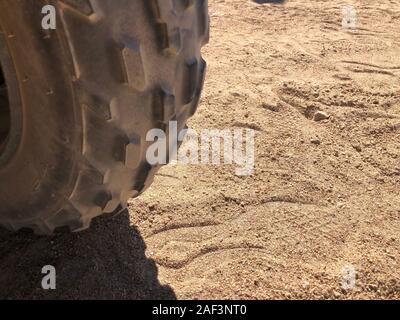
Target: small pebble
{"points": [[320, 115], [315, 141]]}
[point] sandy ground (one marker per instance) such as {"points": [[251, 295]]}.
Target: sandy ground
{"points": [[324, 195]]}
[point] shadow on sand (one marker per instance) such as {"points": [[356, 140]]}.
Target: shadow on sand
{"points": [[106, 262]]}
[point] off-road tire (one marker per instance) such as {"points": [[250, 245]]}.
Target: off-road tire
{"points": [[87, 94]]}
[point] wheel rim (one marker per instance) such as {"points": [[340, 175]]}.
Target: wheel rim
{"points": [[10, 105], [5, 117]]}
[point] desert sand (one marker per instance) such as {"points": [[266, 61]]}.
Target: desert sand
{"points": [[325, 194]]}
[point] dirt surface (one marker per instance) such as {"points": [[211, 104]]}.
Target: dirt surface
{"points": [[324, 195]]}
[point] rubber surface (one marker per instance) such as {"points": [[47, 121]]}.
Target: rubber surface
{"points": [[93, 88]]}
